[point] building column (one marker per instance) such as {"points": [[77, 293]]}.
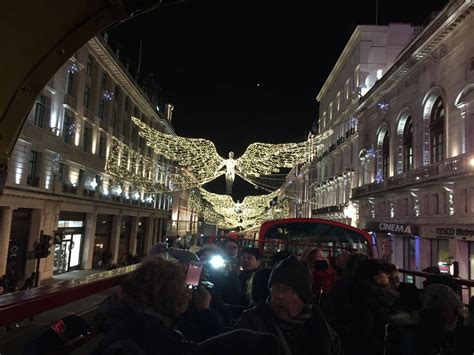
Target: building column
{"points": [[89, 239], [115, 236], [149, 233], [132, 249], [160, 230], [5, 230]]}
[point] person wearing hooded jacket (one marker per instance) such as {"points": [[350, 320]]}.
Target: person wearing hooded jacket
{"points": [[290, 314]]}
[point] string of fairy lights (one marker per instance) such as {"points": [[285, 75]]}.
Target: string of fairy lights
{"points": [[196, 162]]}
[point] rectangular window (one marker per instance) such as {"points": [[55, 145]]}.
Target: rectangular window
{"points": [[87, 138], [89, 66], [87, 97], [338, 101], [439, 251], [69, 83], [114, 119], [61, 172], [102, 146], [434, 204], [134, 134], [33, 179], [471, 265], [463, 201], [101, 110], [80, 178], [39, 110], [117, 93], [125, 125], [103, 82], [68, 127], [357, 76], [409, 253]]}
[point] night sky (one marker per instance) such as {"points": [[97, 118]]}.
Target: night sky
{"points": [[244, 71]]}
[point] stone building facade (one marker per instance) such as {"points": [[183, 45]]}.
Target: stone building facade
{"points": [[57, 180]]}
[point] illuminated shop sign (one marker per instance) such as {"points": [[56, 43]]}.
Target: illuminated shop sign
{"points": [[395, 228], [458, 232]]}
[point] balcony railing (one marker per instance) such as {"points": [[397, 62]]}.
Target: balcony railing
{"points": [[459, 165], [33, 181]]}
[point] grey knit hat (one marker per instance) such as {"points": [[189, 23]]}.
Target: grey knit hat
{"points": [[440, 297], [295, 274]]}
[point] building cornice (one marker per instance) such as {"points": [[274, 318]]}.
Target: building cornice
{"points": [[110, 63], [353, 40], [346, 53], [420, 48]]}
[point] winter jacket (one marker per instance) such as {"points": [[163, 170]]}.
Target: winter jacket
{"points": [[370, 313], [408, 335], [199, 325], [314, 337], [137, 333]]}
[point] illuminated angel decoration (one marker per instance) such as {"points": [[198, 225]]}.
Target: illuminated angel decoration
{"points": [[200, 158], [223, 211]]}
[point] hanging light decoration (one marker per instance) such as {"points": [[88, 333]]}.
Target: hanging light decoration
{"points": [[200, 158]]}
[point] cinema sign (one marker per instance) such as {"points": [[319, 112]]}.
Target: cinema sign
{"points": [[395, 228]]}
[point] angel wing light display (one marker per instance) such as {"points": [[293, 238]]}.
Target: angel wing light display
{"points": [[197, 162], [223, 211], [200, 158]]}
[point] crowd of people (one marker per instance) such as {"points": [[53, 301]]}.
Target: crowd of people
{"points": [[351, 304]]}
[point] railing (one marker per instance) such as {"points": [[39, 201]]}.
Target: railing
{"points": [[454, 166], [465, 284], [24, 304]]}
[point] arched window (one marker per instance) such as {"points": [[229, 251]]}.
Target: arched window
{"points": [[386, 155], [408, 145], [437, 130]]}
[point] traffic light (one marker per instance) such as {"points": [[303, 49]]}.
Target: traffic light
{"points": [[42, 246]]}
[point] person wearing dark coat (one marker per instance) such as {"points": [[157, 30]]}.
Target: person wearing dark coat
{"points": [[290, 314], [338, 307], [141, 319], [409, 300], [372, 301], [433, 331], [250, 261]]}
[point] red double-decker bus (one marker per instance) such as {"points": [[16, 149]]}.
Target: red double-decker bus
{"points": [[300, 234]]}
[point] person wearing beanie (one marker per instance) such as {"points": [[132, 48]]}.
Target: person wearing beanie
{"points": [[290, 314]]}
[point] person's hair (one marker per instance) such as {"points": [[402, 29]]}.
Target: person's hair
{"points": [[368, 269], [252, 251], [389, 268], [227, 240], [214, 249], [279, 256], [443, 279], [351, 265], [309, 256], [158, 284]]}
